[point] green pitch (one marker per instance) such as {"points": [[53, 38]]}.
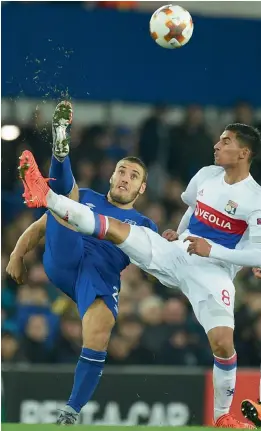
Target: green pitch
{"points": [[26, 427]]}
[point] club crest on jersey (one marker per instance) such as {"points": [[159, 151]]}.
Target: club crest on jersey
{"points": [[129, 221], [201, 192], [231, 207]]}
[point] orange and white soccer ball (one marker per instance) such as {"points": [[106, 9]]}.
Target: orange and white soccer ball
{"points": [[171, 26]]}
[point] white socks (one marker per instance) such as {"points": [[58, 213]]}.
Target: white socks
{"points": [[224, 382], [78, 215]]}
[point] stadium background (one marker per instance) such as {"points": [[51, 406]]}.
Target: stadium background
{"points": [[130, 97]]}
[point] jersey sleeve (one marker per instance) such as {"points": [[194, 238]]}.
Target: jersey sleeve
{"points": [[184, 222], [251, 254], [189, 196], [82, 193], [151, 225], [254, 225]]}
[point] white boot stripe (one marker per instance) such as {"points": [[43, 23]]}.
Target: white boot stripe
{"points": [[92, 360]]}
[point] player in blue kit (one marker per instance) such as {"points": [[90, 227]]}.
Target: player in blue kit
{"points": [[85, 268]]}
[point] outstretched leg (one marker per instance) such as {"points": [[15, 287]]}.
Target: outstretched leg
{"points": [[37, 194]]}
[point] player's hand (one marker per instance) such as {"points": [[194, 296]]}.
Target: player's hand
{"points": [[17, 269], [257, 272], [198, 246], [170, 235]]}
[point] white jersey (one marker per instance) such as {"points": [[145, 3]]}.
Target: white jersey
{"points": [[228, 215]]}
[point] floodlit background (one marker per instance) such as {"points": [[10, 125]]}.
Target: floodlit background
{"points": [[130, 97]]}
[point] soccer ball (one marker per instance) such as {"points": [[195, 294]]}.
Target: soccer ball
{"points": [[171, 26]]}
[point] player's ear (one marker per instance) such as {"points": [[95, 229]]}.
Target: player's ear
{"points": [[142, 188], [112, 177], [245, 153]]}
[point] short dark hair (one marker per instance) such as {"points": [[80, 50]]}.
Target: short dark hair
{"points": [[133, 159], [249, 136]]}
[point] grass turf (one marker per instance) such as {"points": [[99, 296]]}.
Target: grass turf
{"points": [[47, 427]]}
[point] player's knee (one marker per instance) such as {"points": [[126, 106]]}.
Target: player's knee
{"points": [[221, 341], [97, 325], [97, 340]]}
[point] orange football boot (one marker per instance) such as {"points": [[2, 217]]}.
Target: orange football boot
{"points": [[229, 421], [252, 411], [35, 186]]}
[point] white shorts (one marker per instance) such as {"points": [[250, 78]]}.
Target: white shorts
{"points": [[206, 284]]}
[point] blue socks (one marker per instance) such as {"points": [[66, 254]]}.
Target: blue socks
{"points": [[62, 172], [86, 378]]}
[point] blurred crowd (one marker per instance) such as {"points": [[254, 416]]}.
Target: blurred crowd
{"points": [[156, 325]]}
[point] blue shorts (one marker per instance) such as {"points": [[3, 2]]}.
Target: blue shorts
{"points": [[68, 267]]}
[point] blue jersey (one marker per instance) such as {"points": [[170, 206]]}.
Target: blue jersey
{"points": [[85, 267]]}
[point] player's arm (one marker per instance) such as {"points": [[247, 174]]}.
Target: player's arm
{"points": [[250, 256], [172, 235], [189, 197], [27, 242], [184, 222]]}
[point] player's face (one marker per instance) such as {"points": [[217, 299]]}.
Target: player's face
{"points": [[228, 152], [127, 182]]}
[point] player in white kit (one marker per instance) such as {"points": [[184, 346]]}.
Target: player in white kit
{"points": [[219, 233]]}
